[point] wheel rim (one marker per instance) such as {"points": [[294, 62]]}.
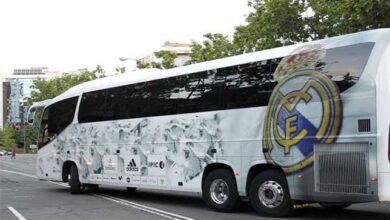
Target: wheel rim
{"points": [[271, 194], [219, 191]]}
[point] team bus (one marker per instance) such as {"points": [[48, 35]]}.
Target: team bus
{"points": [[278, 128]]}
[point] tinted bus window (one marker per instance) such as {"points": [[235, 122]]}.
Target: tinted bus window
{"points": [[345, 65], [55, 119], [241, 86], [93, 107]]}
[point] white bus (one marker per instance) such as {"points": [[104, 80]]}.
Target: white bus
{"points": [[278, 128]]}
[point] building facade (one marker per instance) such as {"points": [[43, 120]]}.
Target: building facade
{"points": [[182, 51], [15, 89]]}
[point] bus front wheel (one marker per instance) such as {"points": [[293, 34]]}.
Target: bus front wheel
{"points": [[220, 191], [269, 195], [74, 182]]}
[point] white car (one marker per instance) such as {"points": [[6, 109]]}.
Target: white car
{"points": [[4, 153], [8, 153]]}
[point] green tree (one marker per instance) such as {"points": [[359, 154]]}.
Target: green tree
{"points": [[272, 23], [1, 138], [8, 136], [275, 23], [167, 58], [142, 65], [120, 70], [47, 89], [332, 18], [30, 135], [215, 46], [167, 61], [18, 137]]}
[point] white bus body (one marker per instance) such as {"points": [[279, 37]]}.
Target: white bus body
{"points": [[318, 113]]}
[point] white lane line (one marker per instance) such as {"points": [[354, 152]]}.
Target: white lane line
{"points": [[144, 207], [134, 205], [16, 213], [60, 184], [19, 173]]}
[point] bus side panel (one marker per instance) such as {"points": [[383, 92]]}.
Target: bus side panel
{"points": [[383, 109], [49, 163], [167, 152], [241, 141]]}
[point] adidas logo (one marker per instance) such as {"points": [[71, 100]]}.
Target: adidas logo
{"points": [[132, 166]]}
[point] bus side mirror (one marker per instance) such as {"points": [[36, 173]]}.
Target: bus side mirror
{"points": [[30, 117]]}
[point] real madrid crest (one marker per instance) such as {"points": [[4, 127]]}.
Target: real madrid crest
{"points": [[305, 108]]}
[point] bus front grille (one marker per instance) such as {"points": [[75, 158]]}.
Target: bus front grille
{"points": [[342, 168]]}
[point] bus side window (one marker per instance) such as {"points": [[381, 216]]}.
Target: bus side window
{"points": [[55, 119], [44, 128]]}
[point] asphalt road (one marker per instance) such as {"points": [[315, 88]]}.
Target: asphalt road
{"points": [[22, 196]]}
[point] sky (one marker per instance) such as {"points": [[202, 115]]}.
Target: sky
{"points": [[66, 35]]}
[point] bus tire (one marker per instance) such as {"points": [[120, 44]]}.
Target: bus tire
{"points": [[269, 194], [220, 191], [131, 189], [74, 182], [334, 206]]}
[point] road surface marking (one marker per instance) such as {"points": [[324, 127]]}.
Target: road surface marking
{"points": [[134, 205], [19, 173], [16, 213], [60, 184], [159, 212]]}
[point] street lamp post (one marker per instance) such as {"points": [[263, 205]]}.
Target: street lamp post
{"points": [[25, 109], [23, 113]]}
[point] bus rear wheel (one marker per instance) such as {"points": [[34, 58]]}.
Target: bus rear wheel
{"points": [[269, 195], [220, 191], [74, 182]]}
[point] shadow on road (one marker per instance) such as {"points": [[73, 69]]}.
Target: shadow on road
{"points": [[349, 213], [182, 201]]}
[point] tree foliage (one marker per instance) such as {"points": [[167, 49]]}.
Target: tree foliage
{"points": [[275, 23], [47, 89], [332, 18], [28, 133], [272, 23], [166, 60], [8, 137], [1, 137], [214, 46], [120, 70]]}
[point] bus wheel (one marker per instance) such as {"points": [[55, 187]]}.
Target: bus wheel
{"points": [[74, 182], [131, 189], [334, 206], [269, 195], [220, 191]]}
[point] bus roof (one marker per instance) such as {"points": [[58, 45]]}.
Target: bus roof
{"points": [[378, 35]]}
